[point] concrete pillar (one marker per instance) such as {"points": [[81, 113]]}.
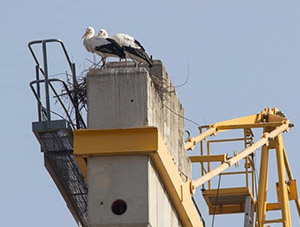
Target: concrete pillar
{"points": [[131, 97]]}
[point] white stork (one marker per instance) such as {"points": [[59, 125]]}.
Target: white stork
{"points": [[133, 48], [105, 47]]}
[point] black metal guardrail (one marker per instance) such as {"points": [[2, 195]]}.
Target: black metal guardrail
{"points": [[56, 136], [44, 113]]}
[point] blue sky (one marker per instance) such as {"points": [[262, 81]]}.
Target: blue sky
{"points": [[243, 56]]}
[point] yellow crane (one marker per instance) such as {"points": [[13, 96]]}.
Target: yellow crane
{"points": [[242, 199]]}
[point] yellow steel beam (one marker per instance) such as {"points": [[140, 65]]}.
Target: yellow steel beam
{"points": [[273, 221], [267, 118], [290, 176], [192, 141], [144, 141], [287, 165], [262, 187], [274, 114], [83, 166], [285, 209], [273, 206], [297, 202], [176, 188], [111, 141], [251, 119], [225, 140], [292, 190], [208, 158], [250, 162], [242, 126], [235, 172]]}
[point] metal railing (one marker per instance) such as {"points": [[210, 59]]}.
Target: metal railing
{"points": [[56, 136], [44, 113]]}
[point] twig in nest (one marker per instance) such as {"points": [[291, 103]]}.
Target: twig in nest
{"points": [[94, 65], [161, 85], [79, 90]]}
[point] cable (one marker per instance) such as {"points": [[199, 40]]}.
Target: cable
{"points": [[216, 200], [187, 77], [181, 116], [59, 74]]}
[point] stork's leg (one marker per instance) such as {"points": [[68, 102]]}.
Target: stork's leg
{"points": [[99, 63], [104, 62], [94, 58], [126, 62]]}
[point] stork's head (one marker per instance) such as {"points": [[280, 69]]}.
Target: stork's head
{"points": [[103, 33], [89, 32]]}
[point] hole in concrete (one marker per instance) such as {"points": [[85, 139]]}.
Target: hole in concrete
{"points": [[119, 207], [131, 100], [101, 203]]}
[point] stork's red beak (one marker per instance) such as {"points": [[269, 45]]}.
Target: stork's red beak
{"points": [[84, 35]]}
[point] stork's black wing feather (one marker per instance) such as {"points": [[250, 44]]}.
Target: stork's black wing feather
{"points": [[114, 42], [112, 47], [139, 44], [140, 53]]}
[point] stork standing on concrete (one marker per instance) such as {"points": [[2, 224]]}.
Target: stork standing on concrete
{"points": [[103, 34], [105, 47], [132, 48]]}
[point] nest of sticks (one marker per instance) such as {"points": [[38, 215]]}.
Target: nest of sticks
{"points": [[162, 87]]}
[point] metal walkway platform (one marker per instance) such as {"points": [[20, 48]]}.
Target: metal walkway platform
{"points": [[56, 140], [227, 200]]}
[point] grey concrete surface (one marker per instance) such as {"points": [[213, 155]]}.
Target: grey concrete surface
{"points": [[121, 97], [113, 178], [130, 97]]}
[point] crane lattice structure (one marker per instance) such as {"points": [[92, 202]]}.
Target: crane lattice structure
{"points": [[242, 199]]}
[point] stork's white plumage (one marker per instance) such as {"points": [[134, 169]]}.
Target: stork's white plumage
{"points": [[132, 48], [87, 39], [103, 33], [105, 47]]}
